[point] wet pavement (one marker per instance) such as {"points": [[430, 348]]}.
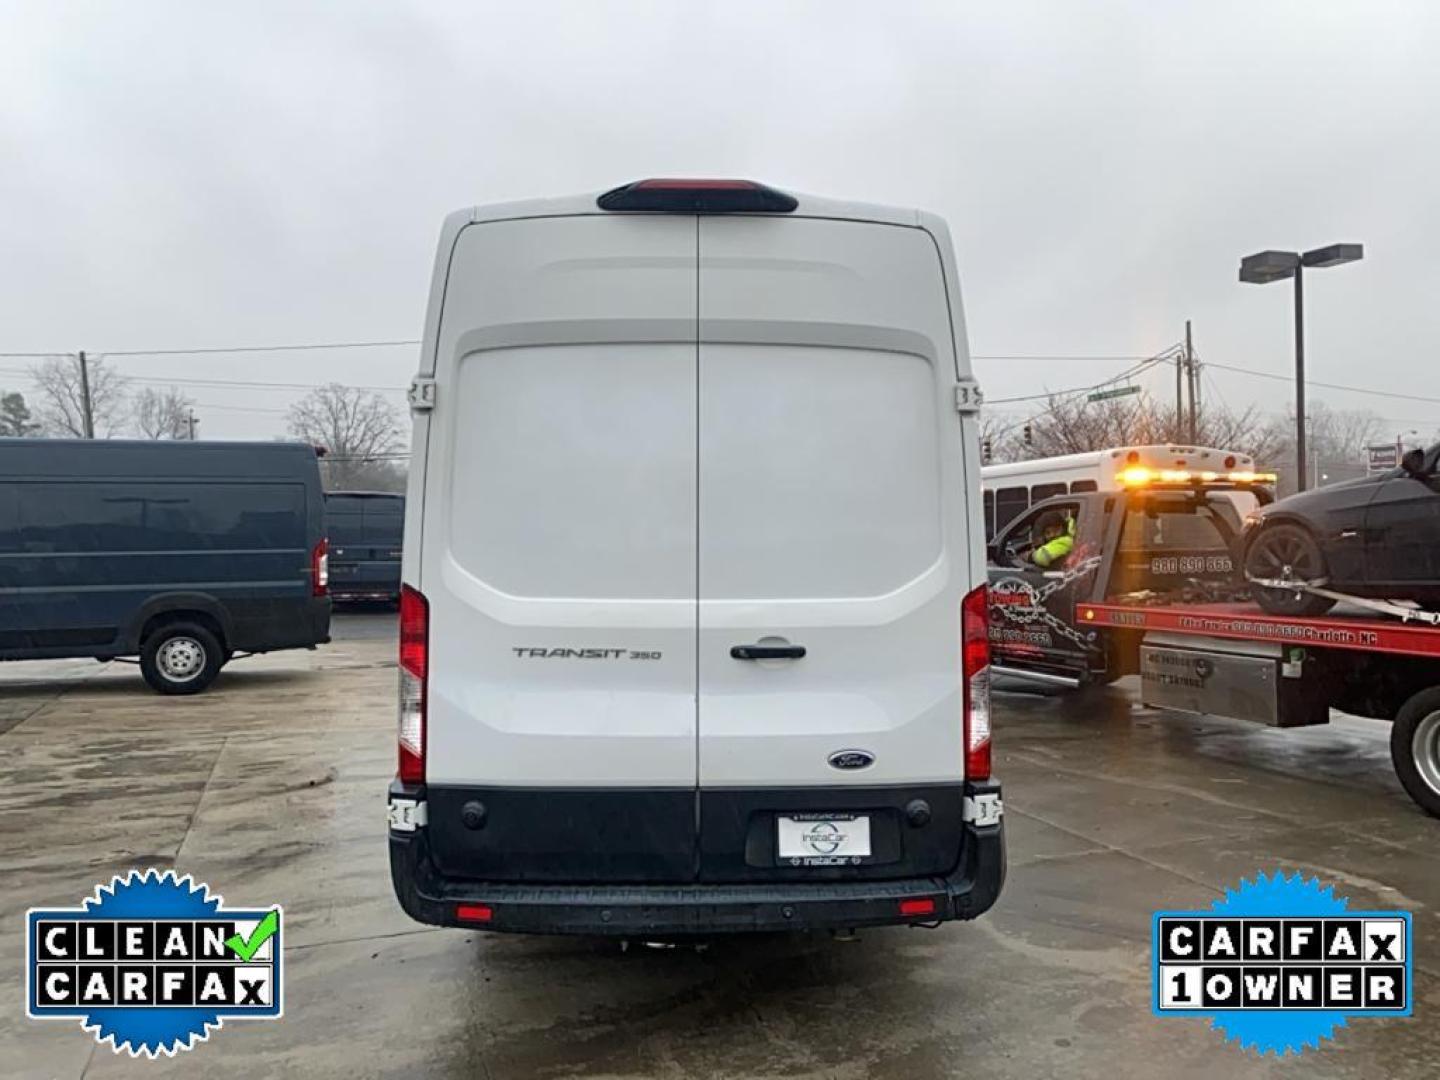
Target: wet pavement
{"points": [[270, 788]]}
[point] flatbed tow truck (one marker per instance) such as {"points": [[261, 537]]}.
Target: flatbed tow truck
{"points": [[1153, 588]]}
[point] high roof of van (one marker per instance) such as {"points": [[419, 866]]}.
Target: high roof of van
{"points": [[812, 206], [89, 458]]}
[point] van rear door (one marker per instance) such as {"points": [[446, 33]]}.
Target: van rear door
{"points": [[558, 552], [833, 521]]}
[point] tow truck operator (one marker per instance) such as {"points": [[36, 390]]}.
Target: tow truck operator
{"points": [[1053, 538]]}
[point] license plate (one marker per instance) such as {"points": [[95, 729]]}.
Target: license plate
{"points": [[822, 839]]}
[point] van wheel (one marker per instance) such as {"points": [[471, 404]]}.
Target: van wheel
{"points": [[1415, 749], [181, 658]]}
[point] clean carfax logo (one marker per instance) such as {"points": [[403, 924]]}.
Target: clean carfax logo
{"points": [[152, 962], [1280, 963]]}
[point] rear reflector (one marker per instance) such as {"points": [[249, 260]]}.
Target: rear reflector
{"points": [[414, 680], [975, 666], [474, 912], [924, 906], [698, 196]]}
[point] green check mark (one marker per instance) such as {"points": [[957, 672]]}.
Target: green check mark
{"points": [[246, 948]]}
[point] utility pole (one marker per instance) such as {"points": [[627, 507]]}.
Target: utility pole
{"points": [[87, 418], [1193, 380], [1179, 399], [191, 424]]}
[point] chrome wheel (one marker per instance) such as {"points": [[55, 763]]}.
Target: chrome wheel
{"points": [[1425, 746], [180, 658]]}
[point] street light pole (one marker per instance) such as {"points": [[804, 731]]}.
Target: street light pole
{"points": [[1266, 266], [1300, 477]]}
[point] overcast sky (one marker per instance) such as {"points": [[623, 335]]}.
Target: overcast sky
{"points": [[181, 175]]}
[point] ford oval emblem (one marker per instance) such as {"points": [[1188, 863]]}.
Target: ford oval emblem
{"points": [[851, 759]]}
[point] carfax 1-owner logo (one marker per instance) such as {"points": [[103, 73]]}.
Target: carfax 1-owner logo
{"points": [[1281, 963], [152, 962]]}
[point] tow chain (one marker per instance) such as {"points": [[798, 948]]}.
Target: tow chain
{"points": [[1035, 611]]}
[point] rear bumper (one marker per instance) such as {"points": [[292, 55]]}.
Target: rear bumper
{"points": [[365, 580], [665, 910], [351, 594]]}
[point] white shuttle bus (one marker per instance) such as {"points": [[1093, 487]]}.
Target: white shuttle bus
{"points": [[1012, 488], [694, 623]]}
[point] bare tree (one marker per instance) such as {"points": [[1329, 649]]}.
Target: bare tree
{"points": [[1335, 443], [163, 414], [1342, 433], [15, 419], [357, 428], [62, 408], [1000, 437], [1070, 424]]}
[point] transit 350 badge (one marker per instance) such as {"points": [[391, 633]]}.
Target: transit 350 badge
{"points": [[152, 962], [1280, 963]]}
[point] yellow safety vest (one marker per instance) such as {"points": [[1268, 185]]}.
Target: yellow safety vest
{"points": [[1054, 551]]}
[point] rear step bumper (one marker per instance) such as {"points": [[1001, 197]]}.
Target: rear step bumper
{"points": [[678, 910]]}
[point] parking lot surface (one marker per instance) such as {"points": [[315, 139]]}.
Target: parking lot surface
{"points": [[270, 788]]}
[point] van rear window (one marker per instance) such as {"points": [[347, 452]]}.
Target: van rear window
{"points": [[819, 471], [129, 517], [572, 471]]}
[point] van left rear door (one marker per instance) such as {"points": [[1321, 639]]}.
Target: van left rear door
{"points": [[558, 552]]}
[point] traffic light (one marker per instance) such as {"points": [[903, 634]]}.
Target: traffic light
{"points": [[985, 451], [1029, 435]]}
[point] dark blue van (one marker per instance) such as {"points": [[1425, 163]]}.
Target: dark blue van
{"points": [[365, 530], [181, 553]]}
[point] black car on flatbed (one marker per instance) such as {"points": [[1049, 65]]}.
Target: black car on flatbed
{"points": [[1378, 537]]}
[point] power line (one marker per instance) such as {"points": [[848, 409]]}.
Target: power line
{"points": [[1326, 385], [239, 384], [305, 347], [1147, 362], [1061, 356]]}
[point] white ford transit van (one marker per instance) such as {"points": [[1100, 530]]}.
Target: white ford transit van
{"points": [[693, 629]]}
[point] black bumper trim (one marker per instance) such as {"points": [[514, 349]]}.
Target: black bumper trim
{"points": [[698, 909]]}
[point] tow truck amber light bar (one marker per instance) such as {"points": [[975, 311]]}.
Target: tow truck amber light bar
{"points": [[698, 196], [1140, 476]]}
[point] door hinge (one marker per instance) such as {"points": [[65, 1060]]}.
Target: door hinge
{"points": [[968, 397], [406, 815], [983, 809], [421, 393]]}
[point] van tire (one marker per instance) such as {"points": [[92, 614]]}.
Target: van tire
{"points": [[181, 658]]}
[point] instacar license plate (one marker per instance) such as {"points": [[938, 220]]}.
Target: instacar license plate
{"points": [[822, 839]]}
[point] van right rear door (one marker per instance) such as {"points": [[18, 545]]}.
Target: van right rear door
{"points": [[833, 520], [558, 552]]}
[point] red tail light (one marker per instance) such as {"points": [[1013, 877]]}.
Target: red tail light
{"points": [[320, 568], [975, 665], [414, 680], [474, 912], [917, 906], [698, 196]]}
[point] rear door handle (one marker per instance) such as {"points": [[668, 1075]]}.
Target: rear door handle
{"points": [[767, 652]]}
